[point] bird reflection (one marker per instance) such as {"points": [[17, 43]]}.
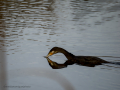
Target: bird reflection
{"points": [[56, 65], [90, 61]]}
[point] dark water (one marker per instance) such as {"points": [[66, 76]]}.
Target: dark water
{"points": [[29, 29]]}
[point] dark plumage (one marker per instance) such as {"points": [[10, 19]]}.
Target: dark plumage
{"points": [[55, 65], [90, 61]]}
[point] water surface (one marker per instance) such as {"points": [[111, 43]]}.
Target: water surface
{"points": [[28, 30]]}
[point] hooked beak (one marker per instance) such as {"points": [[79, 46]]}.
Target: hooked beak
{"points": [[50, 53]]}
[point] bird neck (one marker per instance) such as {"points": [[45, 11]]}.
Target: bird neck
{"points": [[68, 55]]}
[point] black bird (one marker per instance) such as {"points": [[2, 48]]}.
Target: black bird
{"points": [[90, 61]]}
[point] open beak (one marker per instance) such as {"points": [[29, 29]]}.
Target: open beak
{"points": [[50, 53]]}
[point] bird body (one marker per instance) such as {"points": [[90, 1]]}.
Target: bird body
{"points": [[90, 61]]}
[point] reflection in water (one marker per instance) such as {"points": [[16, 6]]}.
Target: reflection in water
{"points": [[38, 21], [55, 65], [20, 19], [90, 61], [3, 71], [88, 27]]}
